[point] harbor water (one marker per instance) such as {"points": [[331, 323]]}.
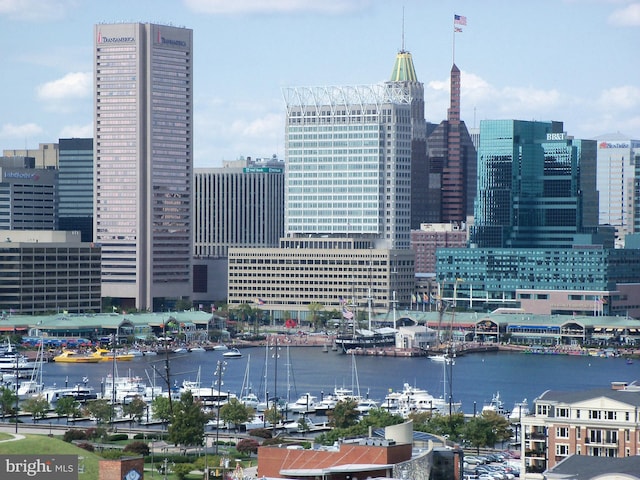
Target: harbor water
{"points": [[473, 379]]}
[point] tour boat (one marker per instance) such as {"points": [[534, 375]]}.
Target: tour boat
{"points": [[69, 356]]}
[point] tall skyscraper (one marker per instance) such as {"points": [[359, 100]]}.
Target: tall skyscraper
{"points": [[451, 165], [144, 162], [75, 186], [618, 157], [28, 195], [536, 186], [348, 162], [404, 75]]}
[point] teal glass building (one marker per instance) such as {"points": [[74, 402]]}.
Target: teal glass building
{"points": [[536, 186]]}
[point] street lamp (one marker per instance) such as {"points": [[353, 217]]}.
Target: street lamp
{"points": [[220, 366]]}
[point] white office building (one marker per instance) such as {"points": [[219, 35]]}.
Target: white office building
{"points": [[144, 162], [616, 178], [349, 162]]}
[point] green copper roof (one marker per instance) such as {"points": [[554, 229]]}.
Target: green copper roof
{"points": [[403, 70]]}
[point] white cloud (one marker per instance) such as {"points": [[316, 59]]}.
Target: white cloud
{"points": [[77, 131], [626, 97], [36, 10], [331, 7], [72, 85], [628, 16], [24, 131]]}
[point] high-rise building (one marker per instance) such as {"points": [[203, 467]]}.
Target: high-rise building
{"points": [[144, 162], [238, 205], [348, 162], [618, 159], [536, 186], [48, 271], [348, 181], [28, 196], [450, 167], [75, 186], [45, 156]]}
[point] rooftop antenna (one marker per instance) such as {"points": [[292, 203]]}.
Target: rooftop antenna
{"points": [[403, 28]]}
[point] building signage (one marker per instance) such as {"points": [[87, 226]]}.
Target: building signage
{"points": [[613, 145], [115, 39], [262, 170], [21, 175], [170, 41], [556, 136], [48, 467]]}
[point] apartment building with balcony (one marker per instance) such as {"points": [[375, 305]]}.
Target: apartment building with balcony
{"points": [[603, 422]]}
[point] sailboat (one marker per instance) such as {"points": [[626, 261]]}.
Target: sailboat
{"points": [[34, 386], [247, 397], [366, 337]]}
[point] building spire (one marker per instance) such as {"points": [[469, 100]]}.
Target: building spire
{"points": [[403, 69]]}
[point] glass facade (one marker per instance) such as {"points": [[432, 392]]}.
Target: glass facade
{"points": [[530, 189], [75, 186], [348, 162], [143, 168]]}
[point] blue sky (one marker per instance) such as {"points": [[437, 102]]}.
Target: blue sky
{"points": [[570, 60]]}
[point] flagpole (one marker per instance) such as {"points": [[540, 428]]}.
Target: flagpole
{"points": [[453, 50]]}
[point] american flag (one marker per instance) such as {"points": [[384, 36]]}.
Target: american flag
{"points": [[459, 20], [348, 314]]}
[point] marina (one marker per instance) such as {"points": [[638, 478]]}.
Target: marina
{"points": [[471, 383]]}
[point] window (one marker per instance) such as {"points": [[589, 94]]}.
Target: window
{"points": [[562, 449], [562, 412], [562, 432]]}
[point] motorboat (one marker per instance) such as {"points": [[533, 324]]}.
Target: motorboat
{"points": [[197, 349], [125, 388], [305, 404], [220, 348], [79, 392], [520, 409], [250, 400], [181, 350], [496, 405], [233, 353], [417, 400], [71, 356]]}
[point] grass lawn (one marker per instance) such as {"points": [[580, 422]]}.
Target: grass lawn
{"points": [[43, 445]]}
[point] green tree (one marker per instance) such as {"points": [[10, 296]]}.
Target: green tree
{"points": [[161, 408], [68, 407], [8, 399], [486, 430], [315, 319], [379, 417], [135, 408], [99, 409], [36, 406], [344, 414], [273, 415], [181, 470], [236, 412], [187, 422], [444, 425]]}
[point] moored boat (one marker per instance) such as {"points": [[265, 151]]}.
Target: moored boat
{"points": [[104, 355], [71, 356]]}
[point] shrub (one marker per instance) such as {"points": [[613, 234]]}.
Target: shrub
{"points": [[247, 446], [74, 434], [112, 454], [261, 433], [274, 441], [140, 448], [118, 437], [86, 446]]}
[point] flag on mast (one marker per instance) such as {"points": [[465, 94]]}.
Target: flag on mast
{"points": [[459, 20]]}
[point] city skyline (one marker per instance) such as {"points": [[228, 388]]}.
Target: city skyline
{"points": [[564, 60]]}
